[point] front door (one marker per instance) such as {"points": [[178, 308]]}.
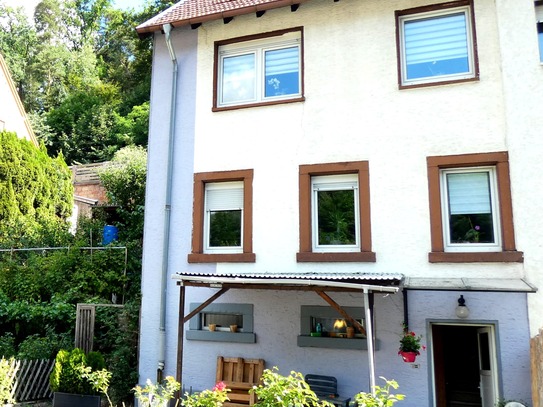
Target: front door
{"points": [[464, 373]]}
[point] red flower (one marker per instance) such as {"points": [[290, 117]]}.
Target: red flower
{"points": [[220, 386]]}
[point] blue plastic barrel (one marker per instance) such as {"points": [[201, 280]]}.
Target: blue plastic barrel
{"points": [[110, 234]]}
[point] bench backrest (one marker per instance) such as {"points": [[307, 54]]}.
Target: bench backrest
{"points": [[323, 386]]}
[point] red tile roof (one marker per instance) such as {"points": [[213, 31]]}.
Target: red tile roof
{"points": [[199, 11]]}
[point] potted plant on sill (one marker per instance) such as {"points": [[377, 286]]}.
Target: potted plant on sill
{"points": [[78, 378], [410, 345]]}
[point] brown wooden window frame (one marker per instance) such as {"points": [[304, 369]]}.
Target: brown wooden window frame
{"points": [[200, 179], [216, 68], [306, 172], [399, 14], [499, 160]]}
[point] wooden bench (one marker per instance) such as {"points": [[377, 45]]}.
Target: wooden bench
{"points": [[325, 387], [239, 375]]}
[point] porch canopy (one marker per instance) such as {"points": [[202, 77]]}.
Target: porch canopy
{"points": [[367, 283]]}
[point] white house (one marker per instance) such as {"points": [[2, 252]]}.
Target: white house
{"points": [[317, 160], [12, 113]]}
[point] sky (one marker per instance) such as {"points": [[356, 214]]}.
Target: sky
{"points": [[30, 5]]}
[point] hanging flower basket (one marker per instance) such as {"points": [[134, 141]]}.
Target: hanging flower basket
{"points": [[410, 345], [409, 357]]}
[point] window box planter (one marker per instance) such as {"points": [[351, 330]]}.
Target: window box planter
{"points": [[71, 400]]}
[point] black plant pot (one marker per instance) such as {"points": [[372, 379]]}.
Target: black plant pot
{"points": [[75, 400]]}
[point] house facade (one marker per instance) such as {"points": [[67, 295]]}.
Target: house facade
{"points": [[321, 164]]}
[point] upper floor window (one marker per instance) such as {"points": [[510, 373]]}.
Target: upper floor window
{"points": [[222, 217], [335, 212], [255, 70], [436, 44], [539, 19], [471, 212]]}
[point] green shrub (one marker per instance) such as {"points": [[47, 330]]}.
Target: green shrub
{"points": [[67, 374], [382, 396], [285, 391], [42, 347], [7, 345], [6, 380]]}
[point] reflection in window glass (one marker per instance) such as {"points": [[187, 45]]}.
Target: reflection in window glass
{"points": [[336, 217], [436, 46], [238, 81], [225, 228], [470, 208], [282, 72]]}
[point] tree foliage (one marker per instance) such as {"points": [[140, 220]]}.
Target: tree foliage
{"points": [[36, 193], [82, 70]]}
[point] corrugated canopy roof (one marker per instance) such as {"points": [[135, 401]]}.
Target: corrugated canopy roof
{"points": [[199, 11], [469, 284], [383, 282]]}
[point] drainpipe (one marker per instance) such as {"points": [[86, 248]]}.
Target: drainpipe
{"points": [[167, 207]]}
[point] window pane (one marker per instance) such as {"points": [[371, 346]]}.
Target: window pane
{"points": [[223, 320], [436, 46], [225, 228], [238, 81], [336, 217], [282, 72], [470, 209], [540, 38]]}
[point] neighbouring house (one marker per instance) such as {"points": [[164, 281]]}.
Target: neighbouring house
{"points": [[317, 164], [88, 189], [12, 112]]}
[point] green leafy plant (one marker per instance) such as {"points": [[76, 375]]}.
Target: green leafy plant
{"points": [[207, 398], [156, 394], [70, 375], [99, 379], [382, 396], [285, 391], [7, 379]]}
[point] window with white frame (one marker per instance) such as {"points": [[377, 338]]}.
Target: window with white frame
{"points": [[436, 44], [222, 225], [539, 20], [261, 70], [223, 220], [470, 207], [471, 210], [335, 213], [335, 216]]}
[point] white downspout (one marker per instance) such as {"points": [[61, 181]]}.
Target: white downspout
{"points": [[369, 337], [167, 207]]}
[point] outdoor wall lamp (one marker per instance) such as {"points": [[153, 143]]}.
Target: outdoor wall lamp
{"points": [[462, 311]]}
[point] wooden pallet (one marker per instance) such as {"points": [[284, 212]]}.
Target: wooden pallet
{"points": [[239, 375]]}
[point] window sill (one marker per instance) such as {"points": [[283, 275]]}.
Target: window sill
{"points": [[476, 257], [275, 102], [221, 258], [332, 343], [217, 336], [366, 257], [437, 83]]}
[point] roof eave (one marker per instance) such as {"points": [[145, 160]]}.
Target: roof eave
{"points": [[144, 30]]}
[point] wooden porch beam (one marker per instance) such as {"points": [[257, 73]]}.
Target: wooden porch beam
{"points": [[204, 304], [343, 313]]}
